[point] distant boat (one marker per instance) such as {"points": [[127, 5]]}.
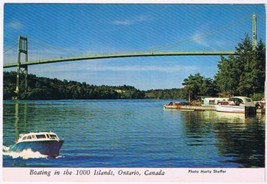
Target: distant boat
{"points": [[175, 105], [47, 143], [235, 104]]}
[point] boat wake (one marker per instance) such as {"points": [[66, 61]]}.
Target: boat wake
{"points": [[25, 154]]}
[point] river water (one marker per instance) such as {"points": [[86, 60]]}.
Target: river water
{"points": [[134, 133]]}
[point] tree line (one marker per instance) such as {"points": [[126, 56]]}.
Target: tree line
{"points": [[175, 93], [239, 74], [42, 88]]}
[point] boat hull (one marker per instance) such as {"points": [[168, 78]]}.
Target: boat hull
{"points": [[49, 147], [230, 108], [171, 106]]}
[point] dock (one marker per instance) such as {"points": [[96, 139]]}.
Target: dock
{"points": [[197, 108], [207, 108], [260, 111]]}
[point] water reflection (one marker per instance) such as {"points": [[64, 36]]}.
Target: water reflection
{"points": [[20, 108], [15, 118], [239, 139]]}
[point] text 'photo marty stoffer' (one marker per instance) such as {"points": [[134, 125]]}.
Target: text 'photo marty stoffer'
{"points": [[133, 92]]}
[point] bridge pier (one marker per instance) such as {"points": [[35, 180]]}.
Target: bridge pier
{"points": [[22, 70]]}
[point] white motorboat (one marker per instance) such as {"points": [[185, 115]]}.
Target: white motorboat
{"points": [[236, 104], [47, 143]]}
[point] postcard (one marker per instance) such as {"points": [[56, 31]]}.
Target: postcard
{"points": [[140, 92]]}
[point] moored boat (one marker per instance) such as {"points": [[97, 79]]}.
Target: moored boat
{"points": [[211, 101], [236, 104], [46, 143], [174, 105], [171, 105]]}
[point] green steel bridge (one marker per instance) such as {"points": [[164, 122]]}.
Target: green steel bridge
{"points": [[121, 55]]}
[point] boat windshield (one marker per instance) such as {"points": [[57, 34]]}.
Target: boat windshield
{"points": [[53, 136], [237, 101], [40, 136]]}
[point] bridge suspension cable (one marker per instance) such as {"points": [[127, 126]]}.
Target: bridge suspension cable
{"points": [[14, 46], [58, 50]]}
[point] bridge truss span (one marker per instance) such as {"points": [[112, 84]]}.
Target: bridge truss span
{"points": [[123, 55]]}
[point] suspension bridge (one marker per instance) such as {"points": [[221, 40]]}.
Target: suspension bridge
{"points": [[23, 63]]}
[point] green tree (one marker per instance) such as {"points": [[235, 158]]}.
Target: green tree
{"points": [[259, 68], [246, 58], [207, 87], [227, 77], [197, 85], [244, 73], [191, 86]]}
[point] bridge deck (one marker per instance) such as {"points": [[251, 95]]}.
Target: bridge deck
{"points": [[122, 55]]}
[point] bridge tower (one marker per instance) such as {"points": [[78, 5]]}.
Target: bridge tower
{"points": [[22, 69], [254, 31]]}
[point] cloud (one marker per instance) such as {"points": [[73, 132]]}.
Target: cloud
{"points": [[199, 38], [208, 42], [126, 22], [122, 22], [15, 24], [206, 38]]}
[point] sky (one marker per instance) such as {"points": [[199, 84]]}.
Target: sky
{"points": [[66, 30]]}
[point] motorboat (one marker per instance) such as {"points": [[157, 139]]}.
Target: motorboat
{"points": [[171, 105], [211, 101], [236, 104], [174, 105], [46, 143]]}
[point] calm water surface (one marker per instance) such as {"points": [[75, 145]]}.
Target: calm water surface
{"points": [[134, 133]]}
